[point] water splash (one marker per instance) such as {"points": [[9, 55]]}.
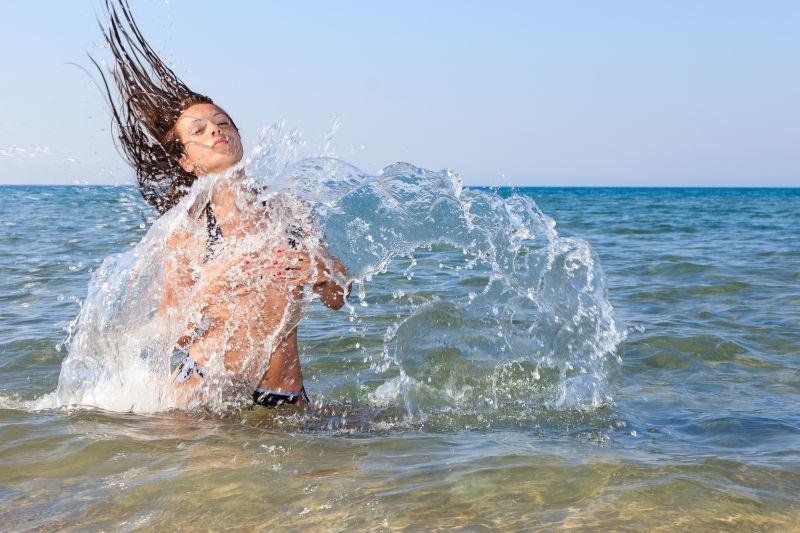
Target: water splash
{"points": [[491, 310]]}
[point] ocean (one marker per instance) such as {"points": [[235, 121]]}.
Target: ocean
{"points": [[690, 421]]}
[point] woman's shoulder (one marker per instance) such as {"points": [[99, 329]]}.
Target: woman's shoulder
{"points": [[186, 238]]}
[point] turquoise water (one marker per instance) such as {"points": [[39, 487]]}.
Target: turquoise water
{"points": [[702, 431]]}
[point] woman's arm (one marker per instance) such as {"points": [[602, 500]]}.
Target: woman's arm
{"points": [[328, 288]]}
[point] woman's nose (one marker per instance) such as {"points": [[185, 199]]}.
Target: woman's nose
{"points": [[213, 128]]}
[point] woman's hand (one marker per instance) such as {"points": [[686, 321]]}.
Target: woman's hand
{"points": [[294, 268], [329, 290], [259, 270], [289, 268], [274, 268]]}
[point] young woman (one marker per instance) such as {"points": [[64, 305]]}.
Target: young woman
{"points": [[244, 290]]}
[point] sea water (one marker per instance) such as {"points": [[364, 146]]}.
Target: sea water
{"points": [[487, 372]]}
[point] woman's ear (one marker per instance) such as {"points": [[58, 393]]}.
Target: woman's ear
{"points": [[187, 164], [184, 161]]}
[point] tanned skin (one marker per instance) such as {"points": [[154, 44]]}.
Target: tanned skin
{"points": [[261, 282]]}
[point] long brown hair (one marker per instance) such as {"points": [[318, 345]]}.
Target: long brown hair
{"points": [[150, 101]]}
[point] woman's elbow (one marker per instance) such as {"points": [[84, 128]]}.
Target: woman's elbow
{"points": [[331, 294], [335, 298], [336, 304]]}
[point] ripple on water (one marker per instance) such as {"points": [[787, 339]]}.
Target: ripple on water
{"points": [[695, 291], [662, 351], [740, 431]]}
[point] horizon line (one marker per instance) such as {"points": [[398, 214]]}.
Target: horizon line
{"points": [[133, 185]]}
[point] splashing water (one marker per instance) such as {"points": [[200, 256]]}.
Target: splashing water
{"points": [[492, 309]]}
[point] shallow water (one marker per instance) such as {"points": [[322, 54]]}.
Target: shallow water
{"points": [[703, 431]]}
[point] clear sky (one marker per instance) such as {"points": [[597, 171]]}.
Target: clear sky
{"points": [[683, 93]]}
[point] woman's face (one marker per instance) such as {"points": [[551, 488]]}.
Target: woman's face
{"points": [[211, 142]]}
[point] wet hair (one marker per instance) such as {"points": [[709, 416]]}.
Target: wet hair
{"points": [[151, 99]]}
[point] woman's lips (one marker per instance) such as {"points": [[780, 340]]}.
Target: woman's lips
{"points": [[220, 141]]}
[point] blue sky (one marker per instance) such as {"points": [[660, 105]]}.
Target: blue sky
{"points": [[680, 93]]}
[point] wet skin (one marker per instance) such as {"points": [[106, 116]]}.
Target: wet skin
{"points": [[261, 283]]}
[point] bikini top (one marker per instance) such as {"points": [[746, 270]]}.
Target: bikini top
{"points": [[213, 231]]}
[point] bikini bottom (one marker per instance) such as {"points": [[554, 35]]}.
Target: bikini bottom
{"points": [[274, 398], [187, 368], [263, 397]]}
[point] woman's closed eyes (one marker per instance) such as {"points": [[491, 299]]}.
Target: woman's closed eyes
{"points": [[198, 125]]}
